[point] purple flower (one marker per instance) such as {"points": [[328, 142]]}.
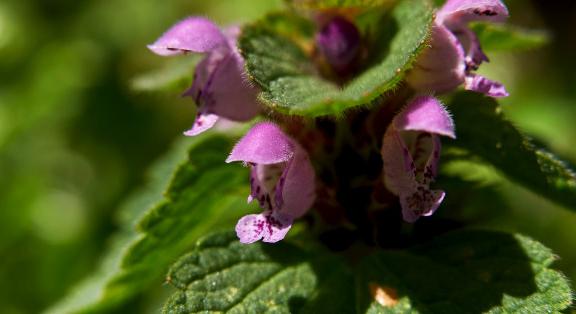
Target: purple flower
{"points": [[339, 42], [455, 51], [282, 180], [219, 88], [410, 153]]}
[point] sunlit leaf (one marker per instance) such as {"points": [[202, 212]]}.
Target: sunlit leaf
{"points": [[223, 275], [464, 272]]}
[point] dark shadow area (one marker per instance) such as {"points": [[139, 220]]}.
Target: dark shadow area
{"points": [[335, 291], [470, 202], [463, 272]]}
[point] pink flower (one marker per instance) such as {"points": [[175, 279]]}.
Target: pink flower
{"points": [[455, 51], [410, 153], [282, 181], [219, 88]]}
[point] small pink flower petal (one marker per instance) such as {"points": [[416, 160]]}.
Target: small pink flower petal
{"points": [[475, 56], [250, 228], [458, 13], [203, 122], [441, 67], [409, 165], [264, 144], [399, 169], [203, 75], [228, 93], [266, 226], [193, 34], [422, 203], [425, 114], [278, 226], [483, 85], [298, 186]]}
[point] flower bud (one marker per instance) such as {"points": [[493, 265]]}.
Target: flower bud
{"points": [[339, 42]]}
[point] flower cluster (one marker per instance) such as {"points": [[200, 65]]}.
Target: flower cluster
{"points": [[455, 51], [283, 179]]}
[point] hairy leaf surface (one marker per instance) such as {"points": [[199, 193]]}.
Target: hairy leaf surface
{"points": [[280, 64], [223, 275], [463, 272]]}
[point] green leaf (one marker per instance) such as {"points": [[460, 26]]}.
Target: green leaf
{"points": [[503, 37], [289, 80], [223, 275], [464, 272], [484, 133], [203, 193]]}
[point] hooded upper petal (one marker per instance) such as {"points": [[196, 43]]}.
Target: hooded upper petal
{"points": [[264, 144], [193, 34], [425, 114], [458, 13]]}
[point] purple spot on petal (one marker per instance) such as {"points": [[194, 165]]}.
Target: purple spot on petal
{"points": [[486, 12]]}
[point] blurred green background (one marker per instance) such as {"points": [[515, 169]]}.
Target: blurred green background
{"points": [[76, 138]]}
